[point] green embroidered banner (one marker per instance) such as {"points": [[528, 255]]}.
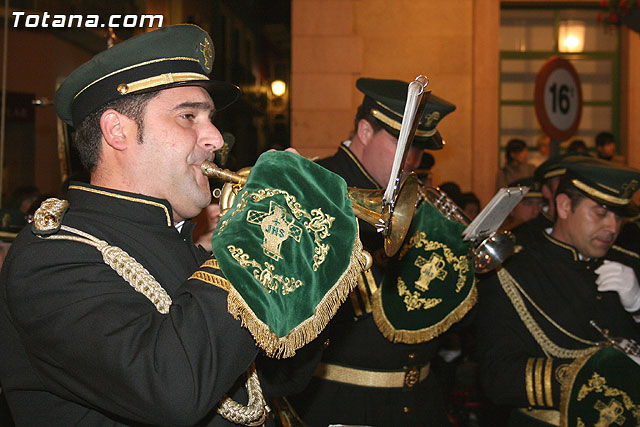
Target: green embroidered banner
{"points": [[603, 389], [429, 285], [290, 248]]}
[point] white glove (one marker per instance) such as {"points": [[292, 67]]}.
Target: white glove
{"points": [[613, 276]]}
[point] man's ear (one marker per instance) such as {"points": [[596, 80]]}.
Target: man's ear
{"points": [[563, 206], [364, 131], [115, 129]]}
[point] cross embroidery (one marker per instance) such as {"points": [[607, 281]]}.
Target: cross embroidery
{"points": [[629, 188], [429, 270], [609, 414], [277, 226], [431, 117], [205, 48]]}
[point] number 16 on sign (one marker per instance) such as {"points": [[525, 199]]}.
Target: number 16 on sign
{"points": [[558, 99]]}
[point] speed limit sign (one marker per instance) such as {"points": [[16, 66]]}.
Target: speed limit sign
{"points": [[558, 99]]}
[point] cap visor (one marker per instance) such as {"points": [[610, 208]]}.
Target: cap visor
{"points": [[433, 142]]}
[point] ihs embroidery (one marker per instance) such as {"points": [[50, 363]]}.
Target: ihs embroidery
{"points": [[277, 226]]}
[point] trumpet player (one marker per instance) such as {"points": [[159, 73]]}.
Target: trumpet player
{"points": [[369, 374], [100, 322]]}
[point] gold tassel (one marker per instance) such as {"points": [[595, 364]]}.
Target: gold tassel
{"points": [[310, 328]]}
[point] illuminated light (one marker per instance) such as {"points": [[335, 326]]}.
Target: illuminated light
{"points": [[278, 87], [571, 36]]}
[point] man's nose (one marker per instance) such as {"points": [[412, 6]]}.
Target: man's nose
{"points": [[612, 222], [210, 138]]}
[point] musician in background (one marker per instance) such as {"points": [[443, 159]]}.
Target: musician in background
{"points": [[516, 163], [528, 208], [366, 377], [543, 143], [533, 318], [606, 147]]}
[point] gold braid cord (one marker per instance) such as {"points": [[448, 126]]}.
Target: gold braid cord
{"points": [[142, 281], [48, 217], [255, 413], [513, 291], [125, 265]]}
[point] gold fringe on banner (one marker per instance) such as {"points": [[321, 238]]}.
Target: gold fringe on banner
{"points": [[567, 384], [406, 336], [310, 328]]}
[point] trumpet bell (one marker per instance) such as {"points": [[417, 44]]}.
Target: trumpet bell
{"points": [[368, 206], [493, 251], [486, 253], [230, 190]]}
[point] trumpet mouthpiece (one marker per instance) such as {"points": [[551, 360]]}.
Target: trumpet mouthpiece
{"points": [[212, 170]]}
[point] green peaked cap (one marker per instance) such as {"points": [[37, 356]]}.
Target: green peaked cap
{"points": [[168, 57], [430, 284], [555, 166], [607, 183], [289, 247], [386, 100]]}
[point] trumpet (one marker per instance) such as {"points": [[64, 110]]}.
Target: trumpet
{"points": [[368, 205], [487, 252]]}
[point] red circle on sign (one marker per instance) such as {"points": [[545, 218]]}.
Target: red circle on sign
{"points": [[552, 65]]}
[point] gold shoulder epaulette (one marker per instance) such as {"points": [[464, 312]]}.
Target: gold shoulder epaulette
{"points": [[48, 217]]}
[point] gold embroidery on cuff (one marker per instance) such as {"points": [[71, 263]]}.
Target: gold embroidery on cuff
{"points": [[561, 373], [538, 381], [547, 382], [528, 377]]}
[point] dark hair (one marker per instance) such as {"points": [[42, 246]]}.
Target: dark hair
{"points": [[566, 187], [88, 135], [514, 146], [427, 161], [604, 138], [365, 113], [465, 199], [577, 145], [452, 190]]}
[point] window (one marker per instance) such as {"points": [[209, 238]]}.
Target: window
{"points": [[528, 37]]}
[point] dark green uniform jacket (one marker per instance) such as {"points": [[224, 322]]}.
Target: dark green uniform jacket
{"points": [[515, 370], [79, 345], [355, 341]]}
